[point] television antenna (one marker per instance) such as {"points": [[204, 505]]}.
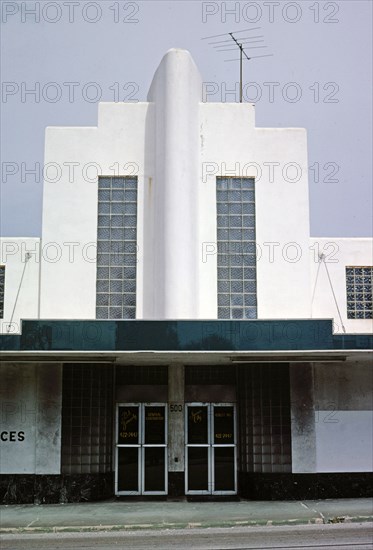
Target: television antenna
{"points": [[243, 43]]}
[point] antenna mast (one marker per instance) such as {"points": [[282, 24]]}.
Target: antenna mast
{"points": [[242, 53], [243, 43]]}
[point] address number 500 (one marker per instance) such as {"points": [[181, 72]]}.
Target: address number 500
{"points": [[176, 407]]}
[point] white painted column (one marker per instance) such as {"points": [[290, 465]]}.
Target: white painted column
{"points": [[176, 92]]}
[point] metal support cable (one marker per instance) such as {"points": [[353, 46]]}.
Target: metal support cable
{"points": [[27, 257], [314, 288], [322, 259]]}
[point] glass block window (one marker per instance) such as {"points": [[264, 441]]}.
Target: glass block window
{"points": [[235, 199], [359, 292], [264, 418], [116, 248], [2, 286], [87, 419]]}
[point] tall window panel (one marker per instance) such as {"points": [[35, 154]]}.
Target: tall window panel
{"points": [[87, 421], [117, 246], [359, 287], [265, 418], [237, 297], [2, 288]]}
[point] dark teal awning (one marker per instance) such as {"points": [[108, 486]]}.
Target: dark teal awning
{"points": [[181, 336]]}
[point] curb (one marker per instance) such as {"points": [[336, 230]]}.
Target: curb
{"points": [[192, 525]]}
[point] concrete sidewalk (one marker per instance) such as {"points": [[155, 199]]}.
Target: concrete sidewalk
{"points": [[118, 515]]}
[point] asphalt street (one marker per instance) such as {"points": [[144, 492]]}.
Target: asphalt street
{"points": [[357, 536]]}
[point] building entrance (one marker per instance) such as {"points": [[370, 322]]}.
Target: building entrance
{"points": [[210, 449], [141, 449]]}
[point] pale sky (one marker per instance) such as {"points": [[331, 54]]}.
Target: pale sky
{"points": [[320, 75]]}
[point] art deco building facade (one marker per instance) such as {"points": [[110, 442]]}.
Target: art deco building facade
{"points": [[176, 330]]}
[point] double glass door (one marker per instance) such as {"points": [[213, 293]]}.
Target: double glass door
{"points": [[141, 449], [210, 449]]}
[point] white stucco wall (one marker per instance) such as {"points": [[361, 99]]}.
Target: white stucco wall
{"points": [[343, 400], [177, 145], [339, 253], [173, 141], [115, 147], [30, 435], [13, 257], [231, 145], [332, 417]]}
